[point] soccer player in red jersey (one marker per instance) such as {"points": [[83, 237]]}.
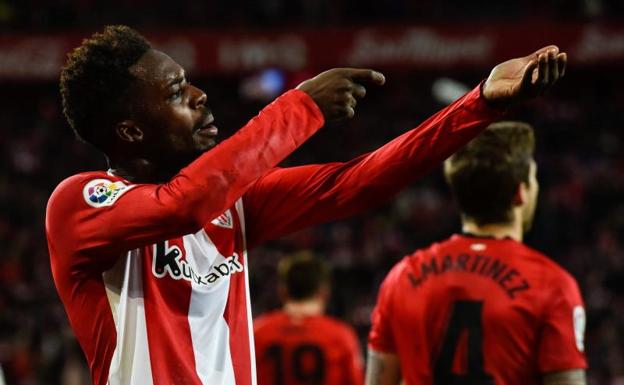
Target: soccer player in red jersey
{"points": [[150, 257], [482, 308], [298, 345]]}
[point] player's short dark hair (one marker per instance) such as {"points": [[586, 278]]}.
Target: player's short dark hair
{"points": [[302, 275], [485, 174], [95, 81]]}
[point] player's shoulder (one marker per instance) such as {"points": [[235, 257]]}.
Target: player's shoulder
{"points": [[406, 264], [267, 321], [70, 189], [94, 188], [553, 279], [336, 332], [546, 266], [394, 276]]}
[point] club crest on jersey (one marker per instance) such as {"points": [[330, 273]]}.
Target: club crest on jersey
{"points": [[103, 192], [224, 220], [167, 260]]}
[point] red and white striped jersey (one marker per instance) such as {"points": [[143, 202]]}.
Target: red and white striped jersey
{"points": [[185, 297], [154, 276]]}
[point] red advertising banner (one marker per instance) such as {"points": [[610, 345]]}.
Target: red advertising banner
{"points": [[405, 47]]}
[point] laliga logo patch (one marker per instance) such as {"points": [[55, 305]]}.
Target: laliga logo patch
{"points": [[579, 321], [103, 192]]}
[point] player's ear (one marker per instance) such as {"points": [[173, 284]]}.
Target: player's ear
{"points": [[521, 195], [324, 291], [282, 292], [128, 131]]}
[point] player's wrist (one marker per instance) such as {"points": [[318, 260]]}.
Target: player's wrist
{"points": [[500, 106]]}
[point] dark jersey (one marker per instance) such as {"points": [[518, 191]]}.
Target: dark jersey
{"points": [[317, 350], [479, 311]]}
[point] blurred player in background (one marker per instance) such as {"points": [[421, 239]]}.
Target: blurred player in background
{"points": [[299, 345], [482, 308], [150, 257]]}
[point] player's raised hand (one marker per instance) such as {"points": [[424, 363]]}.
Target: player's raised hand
{"points": [[336, 91], [526, 77]]}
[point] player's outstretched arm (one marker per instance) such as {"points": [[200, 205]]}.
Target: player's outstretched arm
{"points": [[286, 200], [141, 214], [567, 377], [382, 369]]}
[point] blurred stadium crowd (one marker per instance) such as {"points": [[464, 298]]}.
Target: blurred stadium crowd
{"points": [[579, 223], [60, 15]]}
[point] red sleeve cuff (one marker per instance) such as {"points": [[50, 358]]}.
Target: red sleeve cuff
{"points": [[474, 101], [306, 100]]}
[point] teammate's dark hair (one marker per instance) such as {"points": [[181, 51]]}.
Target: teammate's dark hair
{"points": [[95, 81], [302, 274], [485, 174]]}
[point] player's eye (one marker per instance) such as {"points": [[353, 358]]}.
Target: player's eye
{"points": [[178, 90], [176, 95]]}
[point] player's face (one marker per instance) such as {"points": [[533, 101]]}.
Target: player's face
{"points": [[528, 210], [176, 123]]}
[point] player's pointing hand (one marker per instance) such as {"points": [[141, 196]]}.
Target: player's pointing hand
{"points": [[336, 91], [526, 77]]}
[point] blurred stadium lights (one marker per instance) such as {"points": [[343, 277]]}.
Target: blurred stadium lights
{"points": [[447, 90], [263, 86]]}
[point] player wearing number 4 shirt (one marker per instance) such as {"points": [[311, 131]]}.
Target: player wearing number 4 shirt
{"points": [[150, 258], [298, 345], [482, 308]]}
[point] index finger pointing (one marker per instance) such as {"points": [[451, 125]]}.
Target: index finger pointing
{"points": [[365, 75]]}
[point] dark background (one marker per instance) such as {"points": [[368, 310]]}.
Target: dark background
{"points": [[580, 218]]}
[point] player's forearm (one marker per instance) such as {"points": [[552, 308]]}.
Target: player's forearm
{"points": [[382, 369], [374, 178], [213, 182], [385, 171], [568, 377]]}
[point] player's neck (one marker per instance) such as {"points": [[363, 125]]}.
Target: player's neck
{"points": [[140, 171], [305, 308], [511, 230]]}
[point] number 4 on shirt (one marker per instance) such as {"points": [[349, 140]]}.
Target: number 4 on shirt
{"points": [[465, 316]]}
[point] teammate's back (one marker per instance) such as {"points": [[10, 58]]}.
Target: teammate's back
{"points": [[482, 308], [486, 311], [299, 345], [315, 349]]}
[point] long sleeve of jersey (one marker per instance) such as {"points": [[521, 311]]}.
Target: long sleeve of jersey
{"points": [[115, 216], [353, 365], [380, 336], [561, 344], [288, 199]]}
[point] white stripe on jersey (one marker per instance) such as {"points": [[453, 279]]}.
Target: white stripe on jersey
{"points": [[124, 289], [252, 347], [209, 331]]}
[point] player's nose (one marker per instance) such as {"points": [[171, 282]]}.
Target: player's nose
{"points": [[199, 99]]}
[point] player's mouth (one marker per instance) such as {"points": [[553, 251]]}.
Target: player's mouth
{"points": [[206, 127]]}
